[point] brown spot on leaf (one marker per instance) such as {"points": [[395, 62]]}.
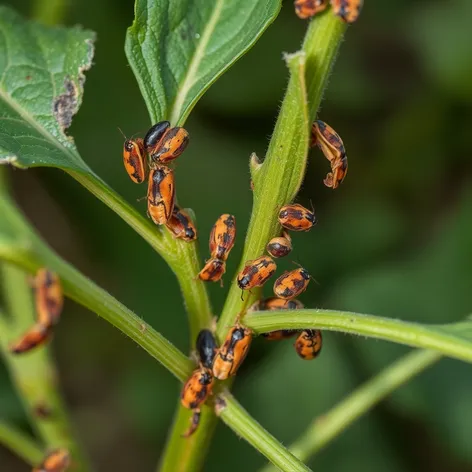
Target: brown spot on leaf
{"points": [[65, 105]]}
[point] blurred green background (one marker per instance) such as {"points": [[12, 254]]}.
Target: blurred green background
{"points": [[393, 240]]}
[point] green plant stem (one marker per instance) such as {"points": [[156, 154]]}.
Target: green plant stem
{"points": [[85, 292], [277, 182], [49, 12], [434, 337], [280, 176], [188, 454], [239, 420], [20, 444], [34, 374], [321, 45], [330, 425], [182, 257]]}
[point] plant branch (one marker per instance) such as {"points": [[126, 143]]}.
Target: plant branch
{"points": [[278, 179], [276, 182], [442, 338], [330, 425], [20, 444], [34, 375], [245, 426], [188, 454], [182, 257]]}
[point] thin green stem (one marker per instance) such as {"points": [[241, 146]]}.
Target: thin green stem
{"points": [[20, 444], [34, 374], [188, 454], [87, 293], [330, 425], [182, 257], [244, 425], [280, 175], [49, 12], [450, 340], [321, 45]]}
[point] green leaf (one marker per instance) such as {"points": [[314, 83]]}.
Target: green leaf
{"points": [[41, 88], [178, 49]]}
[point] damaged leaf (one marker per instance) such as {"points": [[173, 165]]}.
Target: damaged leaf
{"points": [[41, 88], [178, 49]]}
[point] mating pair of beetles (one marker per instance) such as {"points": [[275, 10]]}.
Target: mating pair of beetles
{"points": [[223, 362], [214, 362], [162, 144]]}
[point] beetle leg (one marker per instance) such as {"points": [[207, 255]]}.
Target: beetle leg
{"points": [[194, 422]]}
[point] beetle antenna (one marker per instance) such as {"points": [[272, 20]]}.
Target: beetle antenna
{"points": [[312, 207], [120, 130]]}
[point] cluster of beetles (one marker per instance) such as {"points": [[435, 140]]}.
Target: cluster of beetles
{"points": [[163, 144], [149, 157], [347, 10]]}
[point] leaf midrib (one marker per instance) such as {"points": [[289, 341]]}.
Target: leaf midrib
{"points": [[197, 58]]}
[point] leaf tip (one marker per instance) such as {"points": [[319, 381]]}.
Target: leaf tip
{"points": [[255, 165]]}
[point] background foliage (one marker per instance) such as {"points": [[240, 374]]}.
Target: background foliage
{"points": [[394, 240]]}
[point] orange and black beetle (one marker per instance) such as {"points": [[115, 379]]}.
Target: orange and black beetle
{"points": [[161, 194], [291, 284], [134, 161], [171, 146], [337, 174], [36, 336], [181, 225], [308, 344], [153, 138], [194, 393], [280, 247], [256, 273], [56, 461], [347, 10], [308, 8], [222, 237], [330, 143], [233, 352], [332, 147], [213, 271], [49, 298], [296, 217], [206, 347], [274, 303]]}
